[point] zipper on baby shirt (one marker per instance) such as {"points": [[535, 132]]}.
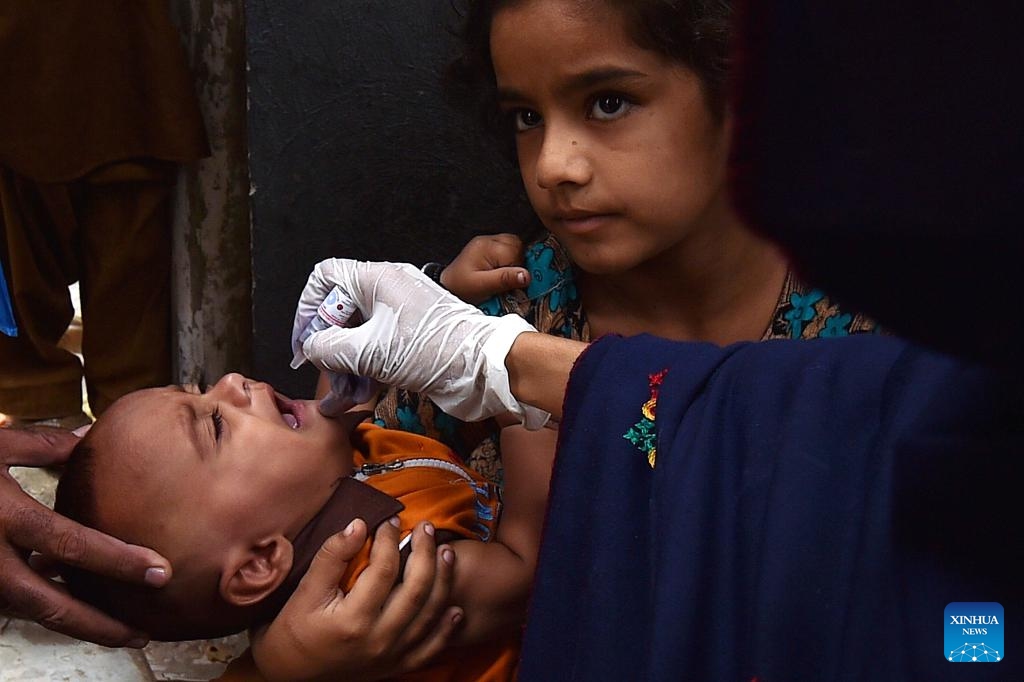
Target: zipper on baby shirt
{"points": [[374, 468]]}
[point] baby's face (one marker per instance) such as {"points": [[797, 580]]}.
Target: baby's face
{"points": [[236, 460]]}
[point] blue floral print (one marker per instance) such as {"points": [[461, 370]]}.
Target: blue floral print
{"points": [[409, 420], [836, 326], [803, 311]]}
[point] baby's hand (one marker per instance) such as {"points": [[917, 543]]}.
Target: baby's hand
{"points": [[486, 266]]}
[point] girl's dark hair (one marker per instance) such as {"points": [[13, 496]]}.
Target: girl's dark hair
{"points": [[696, 33]]}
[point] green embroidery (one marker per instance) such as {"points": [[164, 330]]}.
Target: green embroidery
{"points": [[642, 435]]}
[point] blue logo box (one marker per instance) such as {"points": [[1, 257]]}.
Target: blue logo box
{"points": [[973, 632]]}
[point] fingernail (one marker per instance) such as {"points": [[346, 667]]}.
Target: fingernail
{"points": [[156, 576], [395, 522], [521, 277], [428, 528], [137, 643], [457, 617], [448, 556], [349, 529]]}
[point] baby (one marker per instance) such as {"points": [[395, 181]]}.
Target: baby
{"points": [[238, 486]]}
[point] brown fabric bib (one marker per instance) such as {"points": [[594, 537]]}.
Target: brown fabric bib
{"points": [[351, 500]]}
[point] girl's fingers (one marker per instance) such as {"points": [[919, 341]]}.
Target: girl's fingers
{"points": [[429, 620], [435, 641], [405, 604], [319, 585], [376, 581]]}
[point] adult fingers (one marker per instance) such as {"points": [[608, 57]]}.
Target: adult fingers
{"points": [[319, 586], [324, 276], [37, 446], [335, 349], [32, 526], [27, 595], [44, 566]]}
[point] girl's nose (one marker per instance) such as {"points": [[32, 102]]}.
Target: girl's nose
{"points": [[561, 160], [233, 388]]}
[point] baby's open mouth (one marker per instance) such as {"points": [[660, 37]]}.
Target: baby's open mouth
{"points": [[291, 413]]}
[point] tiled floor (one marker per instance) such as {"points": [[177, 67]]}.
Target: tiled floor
{"points": [[29, 652]]}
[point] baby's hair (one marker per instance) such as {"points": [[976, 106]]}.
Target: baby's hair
{"points": [[696, 33], [172, 613]]}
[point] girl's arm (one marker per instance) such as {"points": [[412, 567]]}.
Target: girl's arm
{"points": [[493, 579]]}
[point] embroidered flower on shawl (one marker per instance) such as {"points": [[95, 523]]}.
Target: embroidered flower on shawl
{"points": [[642, 434], [803, 311], [835, 326]]}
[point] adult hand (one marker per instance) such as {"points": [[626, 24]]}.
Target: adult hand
{"points": [[376, 630], [417, 336], [487, 265], [27, 526]]}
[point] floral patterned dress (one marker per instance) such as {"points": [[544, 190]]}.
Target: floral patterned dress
{"points": [[551, 303]]}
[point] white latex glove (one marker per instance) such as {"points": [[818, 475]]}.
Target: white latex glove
{"points": [[416, 336], [347, 390]]}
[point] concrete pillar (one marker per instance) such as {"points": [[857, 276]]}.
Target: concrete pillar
{"points": [[212, 255]]}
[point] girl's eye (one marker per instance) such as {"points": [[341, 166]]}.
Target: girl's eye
{"points": [[610, 107], [218, 423], [525, 119]]}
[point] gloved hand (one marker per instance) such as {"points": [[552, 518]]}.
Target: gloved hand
{"points": [[346, 390], [417, 336]]}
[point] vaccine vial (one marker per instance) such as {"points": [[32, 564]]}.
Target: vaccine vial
{"points": [[335, 310]]}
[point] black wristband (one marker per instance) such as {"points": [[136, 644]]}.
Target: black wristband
{"points": [[433, 271]]}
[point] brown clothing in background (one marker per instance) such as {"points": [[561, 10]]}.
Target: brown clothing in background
{"points": [[97, 107]]}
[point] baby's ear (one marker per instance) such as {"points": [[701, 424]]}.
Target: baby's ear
{"points": [[253, 574]]}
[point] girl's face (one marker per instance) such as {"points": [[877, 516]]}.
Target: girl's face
{"points": [[621, 157]]}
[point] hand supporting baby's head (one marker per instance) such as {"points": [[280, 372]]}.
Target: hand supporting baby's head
{"points": [[218, 482]]}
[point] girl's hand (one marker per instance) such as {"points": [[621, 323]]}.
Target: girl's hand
{"points": [[486, 266], [375, 631]]}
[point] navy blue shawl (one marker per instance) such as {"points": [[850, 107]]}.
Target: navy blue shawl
{"points": [[813, 508]]}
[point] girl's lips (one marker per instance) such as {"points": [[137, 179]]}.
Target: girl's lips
{"points": [[579, 224]]}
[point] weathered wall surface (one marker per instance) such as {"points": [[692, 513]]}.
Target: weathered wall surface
{"points": [[212, 267], [354, 152]]}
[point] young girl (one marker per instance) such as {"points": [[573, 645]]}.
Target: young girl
{"points": [[621, 130], [621, 127]]}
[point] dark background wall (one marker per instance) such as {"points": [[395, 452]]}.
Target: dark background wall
{"points": [[354, 152]]}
